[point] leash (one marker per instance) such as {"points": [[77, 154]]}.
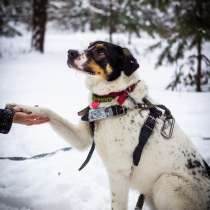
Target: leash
{"points": [[39, 156], [90, 153]]}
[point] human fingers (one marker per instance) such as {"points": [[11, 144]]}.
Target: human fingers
{"points": [[29, 119], [36, 119]]}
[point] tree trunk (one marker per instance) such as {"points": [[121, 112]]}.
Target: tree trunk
{"points": [[129, 37], [110, 21], [199, 47], [199, 65], [39, 24], [92, 24]]}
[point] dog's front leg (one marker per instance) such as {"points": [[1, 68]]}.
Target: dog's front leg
{"points": [[119, 183], [77, 135]]}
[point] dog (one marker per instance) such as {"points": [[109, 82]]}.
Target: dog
{"points": [[171, 173]]}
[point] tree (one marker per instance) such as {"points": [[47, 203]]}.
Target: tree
{"points": [[185, 26], [116, 16], [39, 24], [104, 15], [68, 14], [12, 13]]}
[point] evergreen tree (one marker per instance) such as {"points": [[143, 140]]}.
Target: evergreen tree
{"points": [[185, 25], [12, 13], [116, 16], [68, 14], [104, 15]]}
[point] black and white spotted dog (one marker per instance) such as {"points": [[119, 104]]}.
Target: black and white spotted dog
{"points": [[171, 173]]}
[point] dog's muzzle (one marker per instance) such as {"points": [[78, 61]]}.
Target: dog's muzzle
{"points": [[72, 54], [76, 59]]}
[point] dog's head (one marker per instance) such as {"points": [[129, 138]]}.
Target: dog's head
{"points": [[103, 59]]}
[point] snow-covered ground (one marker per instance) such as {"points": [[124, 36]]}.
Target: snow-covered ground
{"points": [[30, 78]]}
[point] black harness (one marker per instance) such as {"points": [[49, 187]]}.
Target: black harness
{"points": [[146, 132], [92, 115], [155, 111]]}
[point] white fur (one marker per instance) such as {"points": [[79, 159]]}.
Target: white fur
{"points": [[162, 175], [80, 61]]}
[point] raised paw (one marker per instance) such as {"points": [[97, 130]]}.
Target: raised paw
{"points": [[35, 110], [28, 115]]}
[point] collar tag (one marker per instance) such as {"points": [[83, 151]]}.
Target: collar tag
{"points": [[99, 114]]}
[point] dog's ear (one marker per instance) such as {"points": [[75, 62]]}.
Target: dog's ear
{"points": [[130, 64]]}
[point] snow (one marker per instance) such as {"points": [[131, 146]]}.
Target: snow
{"points": [[32, 78]]}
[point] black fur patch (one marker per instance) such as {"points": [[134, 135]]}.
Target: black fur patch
{"points": [[191, 164], [120, 59], [207, 168], [195, 164]]}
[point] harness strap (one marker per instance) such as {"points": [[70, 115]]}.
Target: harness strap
{"points": [[101, 113], [145, 133], [140, 202]]}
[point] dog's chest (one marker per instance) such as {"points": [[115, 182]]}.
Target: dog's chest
{"points": [[118, 136]]}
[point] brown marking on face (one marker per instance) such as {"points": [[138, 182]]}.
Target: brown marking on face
{"points": [[99, 46], [96, 69]]}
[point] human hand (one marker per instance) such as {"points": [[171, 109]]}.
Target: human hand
{"points": [[25, 117], [29, 119]]}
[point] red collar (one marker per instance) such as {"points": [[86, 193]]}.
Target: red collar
{"points": [[121, 96]]}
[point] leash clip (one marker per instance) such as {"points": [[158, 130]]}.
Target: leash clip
{"points": [[167, 127]]}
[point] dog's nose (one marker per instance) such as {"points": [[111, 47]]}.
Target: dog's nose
{"points": [[73, 53]]}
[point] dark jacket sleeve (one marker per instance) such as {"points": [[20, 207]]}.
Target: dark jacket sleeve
{"points": [[6, 118]]}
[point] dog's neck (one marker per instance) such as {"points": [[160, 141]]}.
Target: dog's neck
{"points": [[100, 86]]}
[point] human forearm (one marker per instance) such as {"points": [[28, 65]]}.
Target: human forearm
{"points": [[6, 119]]}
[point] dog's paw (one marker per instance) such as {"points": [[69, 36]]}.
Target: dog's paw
{"points": [[36, 110], [13, 106]]}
